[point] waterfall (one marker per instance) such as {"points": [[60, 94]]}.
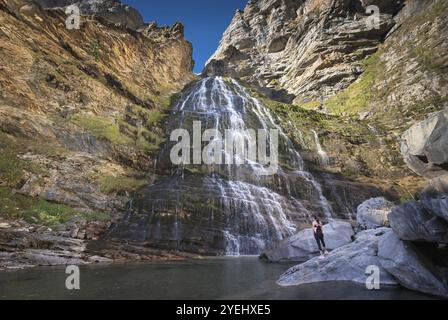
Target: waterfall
{"points": [[324, 159], [229, 209]]}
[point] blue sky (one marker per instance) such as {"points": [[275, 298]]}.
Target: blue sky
{"points": [[204, 20]]}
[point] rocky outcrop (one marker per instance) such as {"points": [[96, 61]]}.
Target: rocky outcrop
{"points": [[305, 48], [421, 220], [25, 245], [112, 11], [411, 267], [374, 213], [348, 263], [302, 246], [81, 110], [425, 146]]}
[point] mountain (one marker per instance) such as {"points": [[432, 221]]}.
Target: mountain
{"points": [[111, 10], [324, 55], [86, 117], [81, 111]]}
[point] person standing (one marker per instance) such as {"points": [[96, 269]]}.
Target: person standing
{"points": [[319, 236]]}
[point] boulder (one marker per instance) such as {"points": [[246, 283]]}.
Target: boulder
{"points": [[425, 146], [413, 221], [412, 269], [348, 263], [437, 205], [439, 184], [374, 213], [303, 246]]}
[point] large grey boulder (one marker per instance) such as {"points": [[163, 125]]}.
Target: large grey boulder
{"points": [[410, 268], [374, 213], [413, 221], [425, 146], [437, 205], [348, 263], [302, 246]]}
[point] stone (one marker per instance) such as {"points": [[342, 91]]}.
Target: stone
{"points": [[413, 222], [425, 146], [348, 263], [412, 270], [374, 213], [303, 246], [437, 205]]}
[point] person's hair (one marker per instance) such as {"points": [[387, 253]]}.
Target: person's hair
{"points": [[317, 219]]}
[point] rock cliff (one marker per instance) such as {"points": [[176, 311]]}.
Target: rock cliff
{"points": [[81, 110], [309, 49]]}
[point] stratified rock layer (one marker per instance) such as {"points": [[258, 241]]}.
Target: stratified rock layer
{"points": [[301, 48]]}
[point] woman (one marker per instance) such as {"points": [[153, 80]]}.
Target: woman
{"points": [[319, 236]]}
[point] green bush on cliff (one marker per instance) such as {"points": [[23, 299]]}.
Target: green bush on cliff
{"points": [[358, 95], [39, 211], [110, 184], [12, 168], [102, 128]]}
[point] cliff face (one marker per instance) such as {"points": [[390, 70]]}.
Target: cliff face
{"points": [[310, 51], [359, 89], [111, 10], [81, 110], [303, 48]]}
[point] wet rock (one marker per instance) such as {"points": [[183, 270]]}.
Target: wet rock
{"points": [[23, 245], [410, 267], [417, 221], [374, 213], [348, 263], [52, 258], [303, 246]]}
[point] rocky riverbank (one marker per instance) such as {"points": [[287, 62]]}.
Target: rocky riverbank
{"points": [[24, 245], [413, 251]]}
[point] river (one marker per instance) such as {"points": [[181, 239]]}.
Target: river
{"points": [[214, 278]]}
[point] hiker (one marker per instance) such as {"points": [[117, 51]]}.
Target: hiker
{"points": [[319, 236]]}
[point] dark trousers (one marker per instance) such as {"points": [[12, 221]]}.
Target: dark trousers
{"points": [[319, 236]]}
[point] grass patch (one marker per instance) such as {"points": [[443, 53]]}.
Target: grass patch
{"points": [[358, 95], [12, 168], [102, 128], [39, 211], [110, 184]]}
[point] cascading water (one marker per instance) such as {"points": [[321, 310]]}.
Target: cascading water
{"points": [[224, 209], [324, 159]]}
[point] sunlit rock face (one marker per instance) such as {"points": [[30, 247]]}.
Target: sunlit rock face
{"points": [[224, 209], [51, 76], [300, 48], [112, 10]]}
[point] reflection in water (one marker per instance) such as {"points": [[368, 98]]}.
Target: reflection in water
{"points": [[217, 278]]}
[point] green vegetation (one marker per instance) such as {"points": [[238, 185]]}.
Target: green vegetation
{"points": [[39, 211], [12, 168], [310, 105], [95, 47], [150, 117], [102, 128], [358, 95], [110, 184]]}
